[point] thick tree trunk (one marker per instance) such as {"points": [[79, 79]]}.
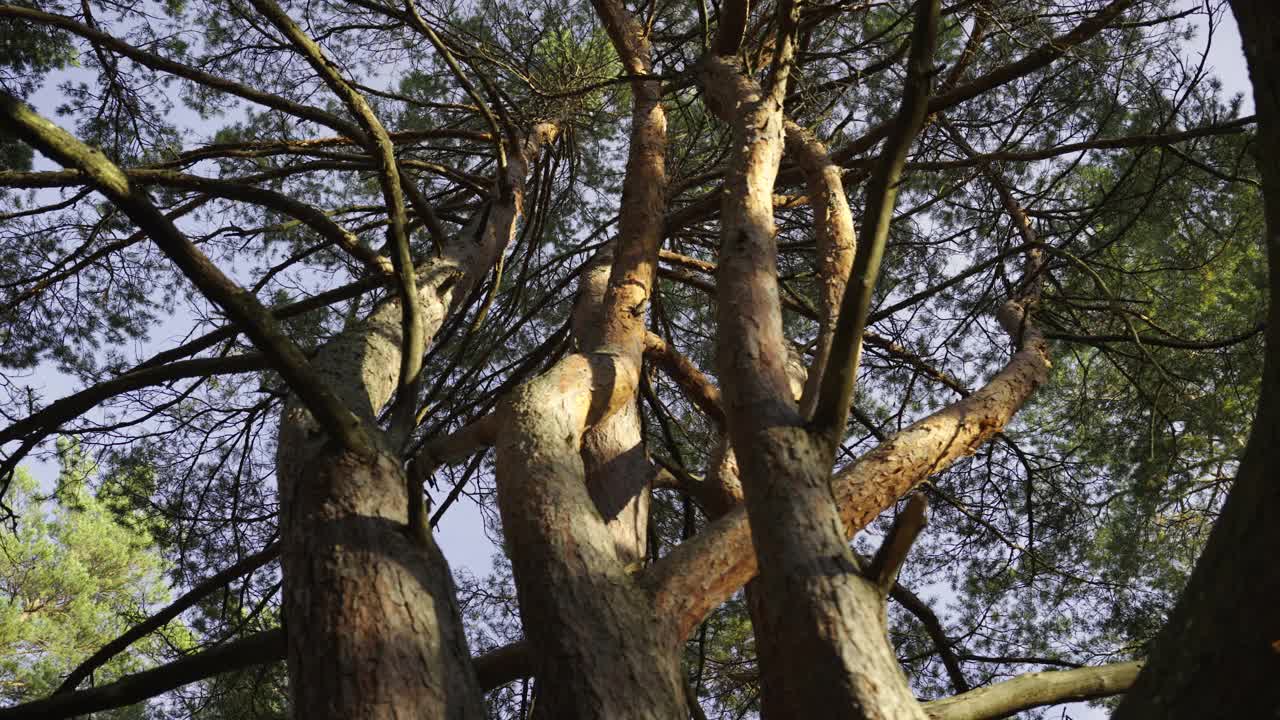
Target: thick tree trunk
{"points": [[1219, 654], [373, 625], [600, 650]]}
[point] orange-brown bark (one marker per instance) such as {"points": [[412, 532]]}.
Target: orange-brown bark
{"points": [[571, 471]]}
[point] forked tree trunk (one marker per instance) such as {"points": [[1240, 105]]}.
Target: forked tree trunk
{"points": [[600, 648], [819, 625], [1219, 654]]}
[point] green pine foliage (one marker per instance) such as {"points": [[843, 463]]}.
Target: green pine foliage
{"points": [[73, 576]]}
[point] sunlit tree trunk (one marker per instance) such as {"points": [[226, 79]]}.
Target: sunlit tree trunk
{"points": [[601, 649]]}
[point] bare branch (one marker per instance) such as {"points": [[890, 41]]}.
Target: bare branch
{"points": [[36, 427], [836, 395], [432, 37], [253, 650], [695, 384], [836, 245], [240, 189], [494, 668], [885, 566], [704, 571]]}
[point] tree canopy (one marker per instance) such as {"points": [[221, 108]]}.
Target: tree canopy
{"points": [[694, 306]]}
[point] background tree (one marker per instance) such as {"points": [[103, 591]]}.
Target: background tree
{"points": [[74, 576], [654, 251], [1219, 648]]}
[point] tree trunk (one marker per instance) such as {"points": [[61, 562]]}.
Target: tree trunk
{"points": [[1219, 654], [819, 625], [601, 650], [374, 628], [618, 472]]}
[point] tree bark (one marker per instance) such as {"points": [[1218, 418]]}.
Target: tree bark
{"points": [[600, 649], [835, 240], [1219, 654], [374, 628], [618, 472], [819, 625], [372, 622]]}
